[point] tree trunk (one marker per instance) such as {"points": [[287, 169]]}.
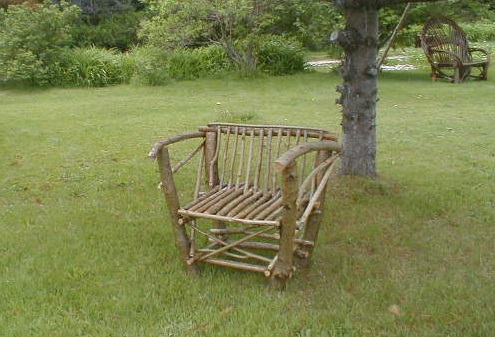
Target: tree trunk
{"points": [[359, 90]]}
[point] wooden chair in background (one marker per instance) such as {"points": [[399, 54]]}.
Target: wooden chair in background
{"points": [[447, 49]]}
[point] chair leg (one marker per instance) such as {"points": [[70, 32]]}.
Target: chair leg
{"points": [[457, 75], [170, 193], [484, 72], [302, 257], [284, 267], [433, 74]]}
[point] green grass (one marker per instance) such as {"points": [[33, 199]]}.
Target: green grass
{"points": [[86, 248]]}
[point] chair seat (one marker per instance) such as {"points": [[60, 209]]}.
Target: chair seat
{"points": [[237, 204]]}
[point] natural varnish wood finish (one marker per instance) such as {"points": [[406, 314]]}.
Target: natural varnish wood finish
{"points": [[257, 200]]}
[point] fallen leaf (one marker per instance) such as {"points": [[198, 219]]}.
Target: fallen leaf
{"points": [[394, 309]]}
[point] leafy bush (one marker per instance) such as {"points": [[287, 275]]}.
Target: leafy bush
{"points": [[151, 65], [479, 31], [310, 22], [94, 67], [186, 64], [116, 31], [279, 56], [32, 40], [156, 66]]}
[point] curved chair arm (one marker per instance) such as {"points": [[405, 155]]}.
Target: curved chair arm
{"points": [[286, 166], [174, 139], [482, 51], [454, 56], [288, 157]]}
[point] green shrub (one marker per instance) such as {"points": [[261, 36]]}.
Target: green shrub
{"points": [[32, 40], [156, 66], [151, 65], [407, 36], [186, 64], [116, 31], [479, 31], [279, 56], [94, 67]]}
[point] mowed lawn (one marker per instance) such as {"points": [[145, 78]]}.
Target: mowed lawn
{"points": [[86, 248]]}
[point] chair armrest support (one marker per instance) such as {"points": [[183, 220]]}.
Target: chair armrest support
{"points": [[288, 157], [482, 51], [174, 139], [450, 54]]}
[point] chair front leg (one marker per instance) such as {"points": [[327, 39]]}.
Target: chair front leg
{"points": [[170, 192], [284, 267]]}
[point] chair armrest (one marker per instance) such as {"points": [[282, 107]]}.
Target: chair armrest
{"points": [[288, 157], [454, 56], [482, 51], [170, 140]]}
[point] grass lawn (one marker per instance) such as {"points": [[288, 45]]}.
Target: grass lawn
{"points": [[86, 248]]}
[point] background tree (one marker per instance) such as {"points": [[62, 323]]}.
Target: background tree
{"points": [[238, 26], [359, 39], [32, 40], [187, 23]]}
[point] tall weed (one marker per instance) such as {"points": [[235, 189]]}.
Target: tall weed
{"points": [[94, 67], [151, 66], [156, 66], [279, 56]]}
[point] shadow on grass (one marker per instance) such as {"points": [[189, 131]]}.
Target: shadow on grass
{"points": [[406, 76]]}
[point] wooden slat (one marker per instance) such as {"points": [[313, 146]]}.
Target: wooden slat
{"points": [[227, 246], [199, 176], [259, 245], [203, 197], [316, 196], [241, 206], [236, 202], [243, 213], [285, 132], [233, 158], [276, 214], [225, 157], [228, 231], [250, 158], [234, 244], [274, 175], [242, 159], [261, 209], [275, 204], [268, 163], [260, 126], [259, 161], [232, 255], [229, 219], [226, 199], [207, 202], [237, 265]]}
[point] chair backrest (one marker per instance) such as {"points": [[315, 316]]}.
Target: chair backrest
{"points": [[441, 33], [243, 155]]}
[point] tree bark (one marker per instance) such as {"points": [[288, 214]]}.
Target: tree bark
{"points": [[359, 90]]}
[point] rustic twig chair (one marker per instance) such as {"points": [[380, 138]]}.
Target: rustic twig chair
{"points": [[447, 50], [264, 205]]}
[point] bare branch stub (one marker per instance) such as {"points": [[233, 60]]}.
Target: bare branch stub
{"points": [[348, 39]]}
